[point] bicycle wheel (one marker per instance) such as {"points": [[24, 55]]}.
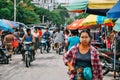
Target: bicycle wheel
{"points": [[27, 59]]}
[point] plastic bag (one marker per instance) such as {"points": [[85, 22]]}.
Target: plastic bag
{"points": [[87, 73]]}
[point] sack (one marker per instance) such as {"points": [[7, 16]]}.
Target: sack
{"points": [[87, 73]]}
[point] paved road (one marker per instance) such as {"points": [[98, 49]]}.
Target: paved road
{"points": [[45, 67]]}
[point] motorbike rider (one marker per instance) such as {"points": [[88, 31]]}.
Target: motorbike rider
{"points": [[8, 43], [59, 38], [28, 38], [46, 36]]}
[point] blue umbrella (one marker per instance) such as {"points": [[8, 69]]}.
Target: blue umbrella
{"points": [[114, 12], [11, 23], [4, 26], [14, 24]]}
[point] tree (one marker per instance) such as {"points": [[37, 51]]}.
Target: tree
{"points": [[27, 16], [42, 12], [55, 18], [6, 10], [25, 11], [82, 15]]}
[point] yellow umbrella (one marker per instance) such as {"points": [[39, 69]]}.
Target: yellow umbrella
{"points": [[92, 20], [101, 4], [98, 7]]}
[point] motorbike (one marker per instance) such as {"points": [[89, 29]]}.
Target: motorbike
{"points": [[107, 63], [59, 48], [4, 56], [43, 46], [28, 53]]}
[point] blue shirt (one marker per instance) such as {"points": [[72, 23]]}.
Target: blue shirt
{"points": [[46, 35], [28, 39], [73, 40]]}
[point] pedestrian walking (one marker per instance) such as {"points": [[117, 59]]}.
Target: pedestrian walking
{"points": [[73, 39], [83, 60]]}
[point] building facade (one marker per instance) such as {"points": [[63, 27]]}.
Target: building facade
{"points": [[47, 4]]}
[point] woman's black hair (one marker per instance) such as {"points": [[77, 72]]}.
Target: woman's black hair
{"points": [[87, 31], [67, 31], [74, 32]]}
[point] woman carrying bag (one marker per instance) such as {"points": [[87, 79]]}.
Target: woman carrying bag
{"points": [[83, 60]]}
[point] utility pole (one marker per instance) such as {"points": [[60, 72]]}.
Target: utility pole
{"points": [[43, 19], [15, 10]]}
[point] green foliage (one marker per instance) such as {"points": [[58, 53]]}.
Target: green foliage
{"points": [[42, 12], [29, 14], [82, 15], [69, 20], [25, 11], [56, 19], [63, 11], [6, 11]]}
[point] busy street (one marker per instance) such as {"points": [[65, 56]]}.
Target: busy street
{"points": [[48, 66], [59, 39]]}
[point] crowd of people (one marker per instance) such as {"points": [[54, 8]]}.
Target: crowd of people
{"points": [[80, 56]]}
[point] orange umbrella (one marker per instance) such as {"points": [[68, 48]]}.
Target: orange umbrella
{"points": [[75, 24]]}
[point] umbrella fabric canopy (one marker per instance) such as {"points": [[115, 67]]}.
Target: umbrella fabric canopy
{"points": [[75, 24], [92, 20], [12, 24], [117, 25], [4, 26], [99, 7], [114, 12], [101, 4], [77, 11]]}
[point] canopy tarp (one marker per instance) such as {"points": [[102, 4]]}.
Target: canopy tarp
{"points": [[117, 25], [75, 24], [92, 20], [77, 5], [101, 4], [114, 12], [4, 26], [12, 24], [98, 7]]}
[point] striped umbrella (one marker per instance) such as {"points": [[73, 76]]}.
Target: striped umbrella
{"points": [[93, 20], [5, 26], [12, 24], [98, 7]]}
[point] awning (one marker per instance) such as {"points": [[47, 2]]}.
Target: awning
{"points": [[5, 26], [114, 12], [93, 20], [98, 7], [75, 24], [117, 25]]}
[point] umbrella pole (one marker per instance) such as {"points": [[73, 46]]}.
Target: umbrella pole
{"points": [[115, 56]]}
